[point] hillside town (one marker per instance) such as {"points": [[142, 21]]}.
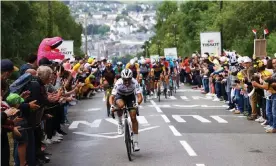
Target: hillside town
{"points": [[115, 28]]}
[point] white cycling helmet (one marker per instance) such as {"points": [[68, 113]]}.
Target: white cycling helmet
{"points": [[119, 63], [132, 61], [143, 61], [126, 73], [109, 61]]}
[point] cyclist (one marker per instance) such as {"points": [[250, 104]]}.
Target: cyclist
{"points": [[158, 69], [144, 72], [134, 67], [166, 73], [108, 75], [176, 70], [124, 93], [118, 69]]}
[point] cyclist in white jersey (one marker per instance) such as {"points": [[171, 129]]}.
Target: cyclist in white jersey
{"points": [[124, 93]]}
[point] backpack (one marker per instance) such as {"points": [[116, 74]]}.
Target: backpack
{"points": [[18, 85]]}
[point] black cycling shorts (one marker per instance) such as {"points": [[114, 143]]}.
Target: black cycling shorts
{"points": [[128, 100]]}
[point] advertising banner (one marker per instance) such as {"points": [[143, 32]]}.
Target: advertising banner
{"points": [[67, 48], [170, 53], [210, 42], [154, 57]]}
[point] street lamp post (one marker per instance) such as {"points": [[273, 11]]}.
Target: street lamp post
{"points": [[174, 31], [158, 44], [147, 48]]}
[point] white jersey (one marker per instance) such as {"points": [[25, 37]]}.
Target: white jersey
{"points": [[120, 88]]}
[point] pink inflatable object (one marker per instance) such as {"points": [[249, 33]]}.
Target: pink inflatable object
{"points": [[48, 49]]}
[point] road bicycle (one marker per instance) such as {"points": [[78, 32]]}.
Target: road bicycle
{"points": [[159, 89], [145, 89], [107, 95], [128, 133]]}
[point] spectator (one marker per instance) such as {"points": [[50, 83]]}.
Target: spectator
{"points": [[38, 93], [31, 63], [7, 125]]}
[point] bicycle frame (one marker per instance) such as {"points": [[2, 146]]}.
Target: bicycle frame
{"points": [[128, 137]]}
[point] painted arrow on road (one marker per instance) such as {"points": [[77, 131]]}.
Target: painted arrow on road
{"points": [[106, 135], [95, 123], [221, 106]]}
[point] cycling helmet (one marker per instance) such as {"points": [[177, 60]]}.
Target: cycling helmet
{"points": [[132, 62], [147, 60], [119, 63], [126, 73], [135, 59], [143, 61], [109, 61]]}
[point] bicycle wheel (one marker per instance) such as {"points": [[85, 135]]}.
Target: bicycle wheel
{"points": [[128, 140], [165, 93], [174, 83], [107, 103], [144, 93]]}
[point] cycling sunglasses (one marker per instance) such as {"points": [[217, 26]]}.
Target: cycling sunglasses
{"points": [[127, 79]]}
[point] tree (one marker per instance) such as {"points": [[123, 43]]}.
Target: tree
{"points": [[271, 44], [237, 19], [24, 26]]}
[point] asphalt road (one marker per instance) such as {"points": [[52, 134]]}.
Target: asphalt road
{"points": [[187, 129]]}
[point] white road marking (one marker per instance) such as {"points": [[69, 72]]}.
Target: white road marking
{"points": [[141, 107], [178, 118], [166, 119], [111, 137], [96, 123], [188, 90], [185, 106], [155, 106], [184, 97], [188, 148], [175, 132], [200, 118], [98, 135], [93, 109], [75, 124], [214, 106], [172, 98], [200, 164], [142, 120], [199, 97], [111, 120], [219, 119]]}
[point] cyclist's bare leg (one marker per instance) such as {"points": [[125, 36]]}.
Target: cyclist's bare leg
{"points": [[120, 104], [134, 121], [134, 129]]}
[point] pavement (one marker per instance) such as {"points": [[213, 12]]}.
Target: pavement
{"points": [[187, 129]]}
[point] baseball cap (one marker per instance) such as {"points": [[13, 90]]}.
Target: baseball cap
{"points": [[14, 99], [7, 65], [246, 59]]}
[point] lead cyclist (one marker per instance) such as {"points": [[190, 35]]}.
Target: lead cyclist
{"points": [[125, 91]]}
